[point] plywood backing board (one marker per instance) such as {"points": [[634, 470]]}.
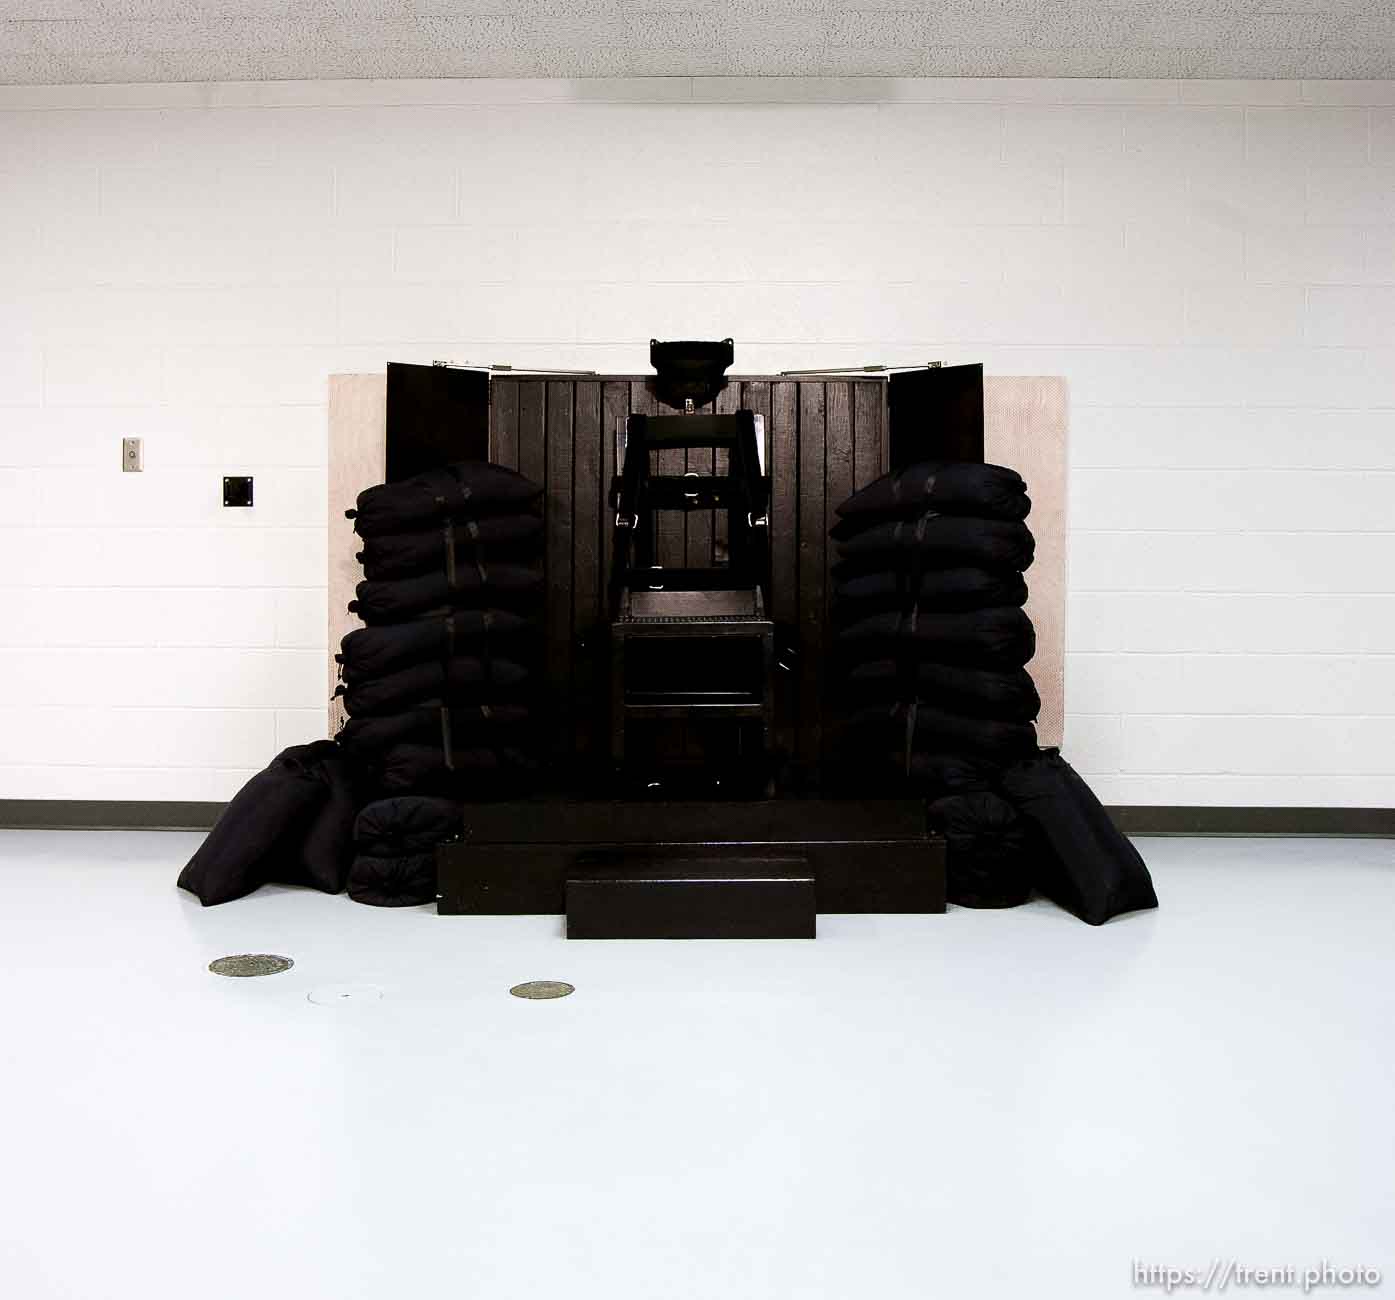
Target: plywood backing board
{"points": [[357, 459], [1025, 426]]}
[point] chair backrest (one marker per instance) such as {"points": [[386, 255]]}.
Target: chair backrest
{"points": [[688, 430], [742, 491], [742, 487]]}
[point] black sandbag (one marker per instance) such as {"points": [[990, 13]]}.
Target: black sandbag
{"points": [[264, 835], [1009, 695], [1087, 865], [468, 724], [941, 540], [465, 679], [392, 600], [938, 774], [328, 846], [987, 850], [872, 764], [936, 730], [473, 773], [405, 881], [372, 651], [1001, 638], [406, 825], [497, 537], [951, 487], [464, 490], [859, 595]]}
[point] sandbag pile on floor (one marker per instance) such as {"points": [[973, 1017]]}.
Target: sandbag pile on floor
{"points": [[1085, 864], [395, 849], [438, 685], [291, 824], [988, 854], [931, 677]]}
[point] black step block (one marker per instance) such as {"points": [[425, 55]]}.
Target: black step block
{"points": [[741, 898]]}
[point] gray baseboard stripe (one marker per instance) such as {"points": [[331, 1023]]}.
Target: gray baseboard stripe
{"points": [[106, 815], [1142, 819], [1139, 819]]}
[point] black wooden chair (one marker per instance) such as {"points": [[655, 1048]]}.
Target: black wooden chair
{"points": [[691, 643]]}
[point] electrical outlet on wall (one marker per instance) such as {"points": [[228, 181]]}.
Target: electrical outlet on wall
{"points": [[132, 456]]}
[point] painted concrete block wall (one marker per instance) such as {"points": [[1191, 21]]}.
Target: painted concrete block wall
{"points": [[1210, 264]]}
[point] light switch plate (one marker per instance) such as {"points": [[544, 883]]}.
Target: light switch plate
{"points": [[132, 456]]}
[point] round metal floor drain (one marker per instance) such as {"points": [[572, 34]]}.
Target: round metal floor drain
{"points": [[334, 994], [540, 990], [245, 964]]}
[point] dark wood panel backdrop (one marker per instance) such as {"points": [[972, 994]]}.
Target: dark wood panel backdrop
{"points": [[824, 439]]}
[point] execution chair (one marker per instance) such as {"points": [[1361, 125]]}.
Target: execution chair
{"points": [[693, 644]]}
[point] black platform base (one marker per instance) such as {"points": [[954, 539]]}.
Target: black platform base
{"points": [[864, 855]]}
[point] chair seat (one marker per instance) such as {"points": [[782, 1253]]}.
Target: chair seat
{"points": [[647, 606]]}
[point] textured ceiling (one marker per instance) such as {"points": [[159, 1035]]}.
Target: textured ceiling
{"points": [[236, 40]]}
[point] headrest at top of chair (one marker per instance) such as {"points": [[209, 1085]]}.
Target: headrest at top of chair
{"points": [[690, 370]]}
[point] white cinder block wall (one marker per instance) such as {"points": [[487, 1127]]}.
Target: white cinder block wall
{"points": [[1211, 265]]}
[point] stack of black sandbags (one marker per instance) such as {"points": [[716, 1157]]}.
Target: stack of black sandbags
{"points": [[438, 686], [933, 645], [928, 597]]}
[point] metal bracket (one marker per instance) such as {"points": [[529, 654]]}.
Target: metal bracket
{"points": [[505, 366], [872, 368]]}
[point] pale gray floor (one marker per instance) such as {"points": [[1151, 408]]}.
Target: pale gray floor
{"points": [[977, 1104]]}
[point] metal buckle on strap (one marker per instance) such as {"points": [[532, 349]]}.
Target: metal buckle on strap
{"points": [[622, 522], [757, 521]]}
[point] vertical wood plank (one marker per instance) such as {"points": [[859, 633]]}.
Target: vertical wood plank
{"points": [[557, 612], [643, 402], [715, 460], [721, 464], [812, 416], [531, 450], [838, 486], [784, 545], [884, 415], [588, 586], [532, 441], [755, 396], [838, 452], [503, 422], [615, 407], [867, 432], [672, 540]]}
